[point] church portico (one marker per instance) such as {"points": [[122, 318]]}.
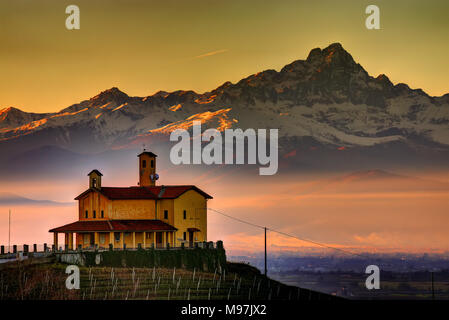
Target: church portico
{"points": [[91, 235]]}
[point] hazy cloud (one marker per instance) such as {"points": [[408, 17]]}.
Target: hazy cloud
{"points": [[212, 53]]}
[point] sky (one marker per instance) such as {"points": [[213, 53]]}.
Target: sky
{"points": [[405, 213], [146, 46]]}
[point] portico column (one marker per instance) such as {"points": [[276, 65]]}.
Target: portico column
{"points": [[70, 241], [55, 240], [96, 239], [134, 240], [111, 239], [154, 239], [144, 239], [122, 239]]}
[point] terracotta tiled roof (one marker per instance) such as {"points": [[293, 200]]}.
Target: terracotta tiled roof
{"points": [[127, 193], [172, 192], [152, 193], [115, 225]]}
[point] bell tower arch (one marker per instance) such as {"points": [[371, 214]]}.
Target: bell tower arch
{"points": [[95, 179]]}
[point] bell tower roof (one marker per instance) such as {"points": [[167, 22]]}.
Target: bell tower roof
{"points": [[149, 153], [95, 171]]}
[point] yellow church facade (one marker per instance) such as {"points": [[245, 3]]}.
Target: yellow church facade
{"points": [[145, 216]]}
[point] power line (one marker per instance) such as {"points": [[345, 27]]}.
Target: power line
{"points": [[287, 234], [317, 243], [237, 219]]}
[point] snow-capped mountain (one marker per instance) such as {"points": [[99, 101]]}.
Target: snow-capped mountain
{"points": [[326, 102]]}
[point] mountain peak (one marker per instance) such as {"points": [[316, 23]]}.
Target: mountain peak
{"points": [[9, 109], [334, 55], [114, 89], [13, 113], [336, 46], [108, 95], [384, 80]]}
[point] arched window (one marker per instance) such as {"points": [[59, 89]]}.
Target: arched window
{"points": [[144, 163]]}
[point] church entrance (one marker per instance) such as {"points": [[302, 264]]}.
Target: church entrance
{"points": [[159, 240], [190, 239]]}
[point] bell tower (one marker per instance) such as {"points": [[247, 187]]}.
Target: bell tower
{"points": [[95, 179], [147, 169]]}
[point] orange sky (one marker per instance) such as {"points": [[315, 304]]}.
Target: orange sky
{"points": [[145, 46], [377, 216]]}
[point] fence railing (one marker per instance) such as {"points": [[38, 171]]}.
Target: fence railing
{"points": [[24, 249]]}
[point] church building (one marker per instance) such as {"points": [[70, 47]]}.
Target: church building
{"points": [[147, 215]]}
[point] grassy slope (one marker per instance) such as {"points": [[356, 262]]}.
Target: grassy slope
{"points": [[240, 281]]}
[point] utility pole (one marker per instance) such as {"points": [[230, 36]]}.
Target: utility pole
{"points": [[9, 232], [265, 228]]}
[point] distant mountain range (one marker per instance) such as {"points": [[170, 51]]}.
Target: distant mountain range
{"points": [[329, 111], [374, 181], [15, 200]]}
